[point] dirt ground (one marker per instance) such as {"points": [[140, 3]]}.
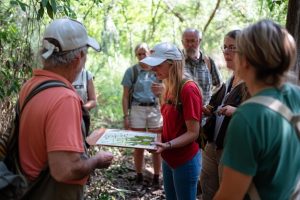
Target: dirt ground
{"points": [[118, 181]]}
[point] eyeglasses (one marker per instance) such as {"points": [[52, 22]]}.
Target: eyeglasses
{"points": [[230, 49]]}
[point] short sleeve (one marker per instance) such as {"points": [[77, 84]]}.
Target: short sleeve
{"points": [[240, 148], [191, 101], [127, 78], [64, 126]]}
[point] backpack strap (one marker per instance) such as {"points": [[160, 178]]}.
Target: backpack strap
{"points": [[178, 102], [42, 86], [280, 108], [134, 73], [207, 62], [12, 145], [285, 112], [11, 160], [182, 84]]}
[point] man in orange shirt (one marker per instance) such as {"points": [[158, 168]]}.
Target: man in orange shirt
{"points": [[50, 124]]}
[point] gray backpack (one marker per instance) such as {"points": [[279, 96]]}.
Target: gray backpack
{"points": [[294, 120]]}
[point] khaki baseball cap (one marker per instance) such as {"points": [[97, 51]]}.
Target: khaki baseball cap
{"points": [[162, 52], [70, 34]]}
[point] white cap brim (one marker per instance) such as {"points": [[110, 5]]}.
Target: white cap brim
{"points": [[153, 61], [93, 43]]}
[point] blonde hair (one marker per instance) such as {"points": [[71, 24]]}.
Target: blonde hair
{"points": [[175, 78], [269, 48]]}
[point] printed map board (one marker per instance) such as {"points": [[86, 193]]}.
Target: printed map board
{"points": [[123, 138]]}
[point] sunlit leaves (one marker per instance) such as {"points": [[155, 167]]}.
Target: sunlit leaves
{"points": [[44, 3], [274, 9], [40, 12], [50, 10], [273, 3], [22, 5], [54, 8], [15, 52]]}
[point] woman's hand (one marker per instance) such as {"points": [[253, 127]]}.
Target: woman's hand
{"points": [[157, 88], [207, 110], [126, 122], [227, 110], [162, 146]]}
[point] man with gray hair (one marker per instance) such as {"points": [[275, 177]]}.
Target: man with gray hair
{"points": [[198, 66], [50, 136]]}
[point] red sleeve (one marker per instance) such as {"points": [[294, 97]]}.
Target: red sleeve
{"points": [[191, 101]]}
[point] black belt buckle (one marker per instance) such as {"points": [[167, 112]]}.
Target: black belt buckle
{"points": [[148, 104]]}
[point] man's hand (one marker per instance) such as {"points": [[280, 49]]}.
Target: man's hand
{"points": [[104, 159]]}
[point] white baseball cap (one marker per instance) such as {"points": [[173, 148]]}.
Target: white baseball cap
{"points": [[70, 34], [162, 52]]}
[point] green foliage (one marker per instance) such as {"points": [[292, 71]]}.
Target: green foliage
{"points": [[119, 25], [108, 74], [274, 9], [14, 50], [55, 8]]}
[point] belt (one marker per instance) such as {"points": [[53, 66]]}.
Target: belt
{"points": [[147, 104]]}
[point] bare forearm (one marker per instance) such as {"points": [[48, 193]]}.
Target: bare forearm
{"points": [[90, 104], [82, 168], [125, 107], [74, 166], [188, 137], [184, 139]]}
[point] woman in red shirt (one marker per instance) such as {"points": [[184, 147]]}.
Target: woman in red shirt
{"points": [[180, 153]]}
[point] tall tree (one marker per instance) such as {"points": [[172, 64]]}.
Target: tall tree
{"points": [[293, 26]]}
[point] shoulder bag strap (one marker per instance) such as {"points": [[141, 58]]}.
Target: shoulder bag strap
{"points": [[285, 112], [272, 104], [182, 84], [42, 86], [208, 63], [280, 108]]}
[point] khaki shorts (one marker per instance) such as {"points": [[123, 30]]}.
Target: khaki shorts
{"points": [[145, 117]]}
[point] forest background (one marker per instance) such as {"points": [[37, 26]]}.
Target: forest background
{"points": [[118, 25]]}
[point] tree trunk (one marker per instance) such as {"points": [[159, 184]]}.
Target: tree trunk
{"points": [[293, 26], [212, 15]]}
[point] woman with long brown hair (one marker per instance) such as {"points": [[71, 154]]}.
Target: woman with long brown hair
{"points": [[181, 110]]}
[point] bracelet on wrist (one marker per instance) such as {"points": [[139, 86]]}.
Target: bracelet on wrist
{"points": [[169, 145]]}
